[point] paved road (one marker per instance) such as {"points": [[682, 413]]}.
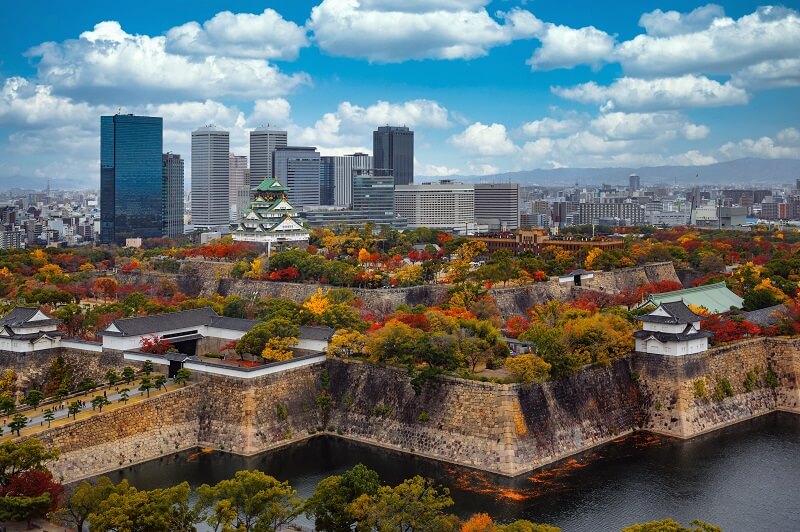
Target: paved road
{"points": [[61, 413]]}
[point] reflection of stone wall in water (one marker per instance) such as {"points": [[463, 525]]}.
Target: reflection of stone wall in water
{"points": [[503, 428], [208, 278]]}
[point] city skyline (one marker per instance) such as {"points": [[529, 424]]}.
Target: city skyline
{"points": [[515, 86]]}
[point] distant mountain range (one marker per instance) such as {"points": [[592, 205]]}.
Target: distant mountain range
{"points": [[748, 171]]}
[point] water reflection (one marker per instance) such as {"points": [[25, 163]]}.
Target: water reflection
{"points": [[746, 477]]}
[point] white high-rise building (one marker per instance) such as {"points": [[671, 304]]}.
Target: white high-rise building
{"points": [[210, 177], [336, 177], [497, 205], [238, 185], [264, 141], [442, 205]]}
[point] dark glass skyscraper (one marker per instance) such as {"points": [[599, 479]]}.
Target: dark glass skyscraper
{"points": [[131, 179], [393, 148]]}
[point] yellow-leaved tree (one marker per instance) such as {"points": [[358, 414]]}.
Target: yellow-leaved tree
{"points": [[346, 343], [317, 303], [278, 349], [588, 263], [528, 368]]}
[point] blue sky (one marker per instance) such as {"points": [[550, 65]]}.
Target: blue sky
{"points": [[487, 86]]}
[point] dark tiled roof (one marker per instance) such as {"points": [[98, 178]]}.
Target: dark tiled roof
{"points": [[236, 324], [766, 316], [19, 317], [315, 333], [664, 337], [678, 312], [164, 322]]}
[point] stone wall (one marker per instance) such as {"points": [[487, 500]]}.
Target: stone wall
{"points": [[33, 368], [208, 278], [673, 399], [128, 435], [503, 428]]}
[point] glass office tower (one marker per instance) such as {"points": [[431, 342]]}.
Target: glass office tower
{"points": [[130, 178]]}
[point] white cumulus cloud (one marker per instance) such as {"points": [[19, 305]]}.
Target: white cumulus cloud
{"points": [[485, 140], [660, 23], [565, 47], [385, 31], [265, 35], [108, 62], [725, 46], [656, 94]]}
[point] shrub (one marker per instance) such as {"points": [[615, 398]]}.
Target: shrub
{"points": [[750, 381], [771, 379], [494, 363], [700, 391], [381, 410], [723, 389]]}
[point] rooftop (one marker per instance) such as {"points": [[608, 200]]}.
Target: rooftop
{"points": [[716, 298]]}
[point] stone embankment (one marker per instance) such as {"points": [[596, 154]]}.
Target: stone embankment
{"points": [[209, 278], [502, 428]]}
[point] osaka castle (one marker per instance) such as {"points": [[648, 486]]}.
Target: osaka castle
{"points": [[270, 217]]}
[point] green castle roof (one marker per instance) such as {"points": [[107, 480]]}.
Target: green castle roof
{"points": [[715, 297], [269, 184]]}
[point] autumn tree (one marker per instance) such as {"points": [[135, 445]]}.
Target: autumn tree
{"points": [[346, 343], [254, 340], [528, 368], [415, 504], [333, 504], [250, 501], [278, 349]]}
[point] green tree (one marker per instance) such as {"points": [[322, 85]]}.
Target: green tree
{"points": [[250, 501], [18, 422], [182, 376], [99, 402], [130, 510], [85, 499], [49, 416], [34, 398], [112, 377], [255, 339], [7, 405], [128, 374], [331, 505], [145, 385], [17, 457], [668, 525], [414, 505], [160, 382]]}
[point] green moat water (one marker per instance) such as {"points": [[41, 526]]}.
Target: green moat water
{"points": [[745, 477]]}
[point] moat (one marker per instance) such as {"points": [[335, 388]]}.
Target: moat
{"points": [[744, 477]]}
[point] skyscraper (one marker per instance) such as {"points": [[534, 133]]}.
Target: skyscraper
{"points": [[238, 185], [298, 168], [497, 205], [210, 174], [131, 182], [373, 191], [393, 148], [263, 141], [172, 194], [336, 177]]}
